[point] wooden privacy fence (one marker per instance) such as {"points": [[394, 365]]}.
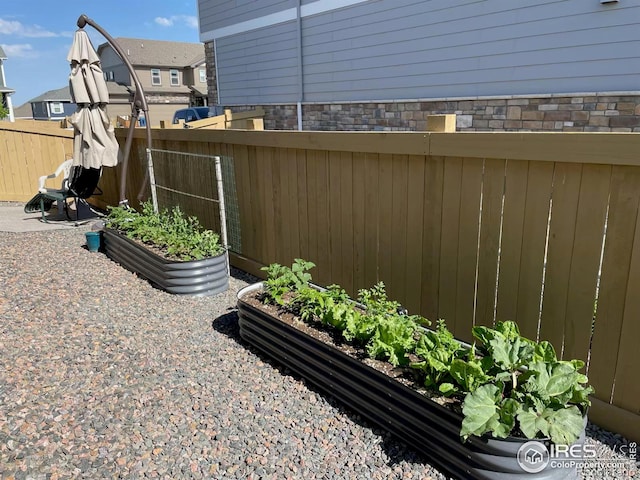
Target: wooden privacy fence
{"points": [[474, 227], [28, 150]]}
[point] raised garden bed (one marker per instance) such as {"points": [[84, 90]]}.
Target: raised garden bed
{"points": [[195, 277], [168, 249], [382, 395]]}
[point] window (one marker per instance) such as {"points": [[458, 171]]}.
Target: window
{"points": [[203, 75], [175, 77], [57, 108], [111, 75], [155, 77]]}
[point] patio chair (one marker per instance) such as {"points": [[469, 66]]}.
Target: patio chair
{"points": [[78, 183]]}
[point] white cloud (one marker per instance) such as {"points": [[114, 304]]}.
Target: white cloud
{"points": [[163, 21], [188, 20], [13, 27], [19, 50], [191, 21]]}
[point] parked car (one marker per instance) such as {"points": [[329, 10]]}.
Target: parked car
{"points": [[191, 114]]}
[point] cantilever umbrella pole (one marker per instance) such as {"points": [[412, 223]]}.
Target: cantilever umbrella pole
{"points": [[139, 104]]}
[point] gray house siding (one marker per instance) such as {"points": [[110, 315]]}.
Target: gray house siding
{"points": [[407, 49], [260, 65], [217, 14]]}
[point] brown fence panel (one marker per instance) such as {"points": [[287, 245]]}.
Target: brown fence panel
{"points": [[29, 150], [489, 243], [471, 228]]}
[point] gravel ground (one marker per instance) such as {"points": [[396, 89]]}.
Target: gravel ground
{"points": [[103, 376]]}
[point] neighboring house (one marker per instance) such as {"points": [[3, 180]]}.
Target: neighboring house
{"points": [[53, 105], [5, 91], [173, 74], [23, 112], [572, 65], [58, 104]]}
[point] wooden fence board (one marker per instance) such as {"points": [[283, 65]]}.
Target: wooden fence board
{"points": [[623, 205], [492, 194], [398, 227], [372, 200], [347, 222], [243, 187], [12, 180], [432, 236], [585, 261], [303, 205], [450, 236], [415, 231], [335, 216], [627, 387], [566, 189], [536, 216], [288, 174], [270, 190], [384, 251], [470, 193], [324, 226], [512, 232], [359, 225], [257, 208], [280, 191]]}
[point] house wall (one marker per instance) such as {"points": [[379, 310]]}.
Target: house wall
{"points": [[40, 111], [110, 61], [192, 76], [403, 51]]}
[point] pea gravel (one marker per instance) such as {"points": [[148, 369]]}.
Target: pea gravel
{"points": [[103, 376]]}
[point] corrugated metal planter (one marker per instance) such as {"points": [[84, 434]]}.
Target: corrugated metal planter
{"points": [[195, 277], [420, 422]]}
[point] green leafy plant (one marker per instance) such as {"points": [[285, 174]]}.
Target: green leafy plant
{"points": [[282, 280], [530, 389], [177, 235], [437, 349], [507, 384]]}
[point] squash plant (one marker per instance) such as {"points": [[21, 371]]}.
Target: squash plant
{"points": [[177, 235], [505, 383]]}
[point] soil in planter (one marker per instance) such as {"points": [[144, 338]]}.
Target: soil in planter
{"points": [[404, 375]]}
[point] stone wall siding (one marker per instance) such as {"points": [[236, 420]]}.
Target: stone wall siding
{"points": [[159, 98], [579, 113], [212, 83]]}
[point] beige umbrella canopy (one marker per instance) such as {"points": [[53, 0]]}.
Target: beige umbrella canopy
{"points": [[94, 144]]}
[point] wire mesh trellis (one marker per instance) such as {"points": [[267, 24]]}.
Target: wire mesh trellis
{"points": [[189, 180]]}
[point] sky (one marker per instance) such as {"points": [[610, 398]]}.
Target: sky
{"points": [[36, 34]]}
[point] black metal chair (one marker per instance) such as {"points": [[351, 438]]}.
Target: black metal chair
{"points": [[78, 183]]}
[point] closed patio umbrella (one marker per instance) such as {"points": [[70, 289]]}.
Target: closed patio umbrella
{"points": [[95, 145]]}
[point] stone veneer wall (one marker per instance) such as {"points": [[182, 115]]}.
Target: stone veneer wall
{"points": [[212, 82], [610, 112]]}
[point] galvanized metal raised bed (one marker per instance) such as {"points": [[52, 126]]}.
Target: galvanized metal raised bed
{"points": [[422, 423], [195, 277]]}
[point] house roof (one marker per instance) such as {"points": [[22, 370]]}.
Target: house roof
{"points": [[3, 56], [158, 53], [198, 60], [116, 89], [60, 95], [23, 111]]}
